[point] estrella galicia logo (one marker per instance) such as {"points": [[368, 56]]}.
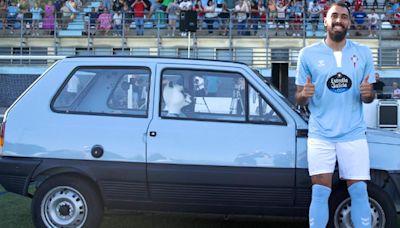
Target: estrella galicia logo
{"points": [[339, 83]]}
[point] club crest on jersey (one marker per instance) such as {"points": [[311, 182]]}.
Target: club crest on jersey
{"points": [[354, 60], [339, 83]]}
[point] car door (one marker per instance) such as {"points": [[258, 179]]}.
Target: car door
{"points": [[105, 108], [216, 140]]}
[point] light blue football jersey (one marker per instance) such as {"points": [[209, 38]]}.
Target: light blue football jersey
{"points": [[336, 107]]}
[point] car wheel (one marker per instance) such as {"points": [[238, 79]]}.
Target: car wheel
{"points": [[383, 211], [67, 201]]}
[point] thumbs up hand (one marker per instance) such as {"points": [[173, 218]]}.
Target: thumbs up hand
{"points": [[366, 89], [308, 89]]}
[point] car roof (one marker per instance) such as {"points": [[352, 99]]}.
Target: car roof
{"points": [[157, 58]]}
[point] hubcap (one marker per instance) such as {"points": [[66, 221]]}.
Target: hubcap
{"points": [[63, 206], [342, 217]]}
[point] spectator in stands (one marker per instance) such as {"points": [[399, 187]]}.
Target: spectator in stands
{"points": [[281, 15], [30, 3], [263, 13], [139, 6], [199, 8], [159, 17], [315, 12], [322, 3], [396, 20], [255, 15], [12, 13], [185, 5], [93, 16], [105, 21], [325, 10], [359, 19], [210, 15], [172, 10], [224, 16], [357, 4], [127, 15], [389, 13], [394, 3], [241, 11], [396, 90], [58, 4], [117, 22], [272, 13], [71, 4], [378, 85], [117, 5], [298, 17], [78, 5], [101, 7], [23, 6], [66, 15], [3, 13], [375, 4], [36, 18], [291, 14], [48, 20], [373, 19], [129, 3], [165, 4]]}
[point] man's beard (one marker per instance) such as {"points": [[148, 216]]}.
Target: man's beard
{"points": [[337, 36]]}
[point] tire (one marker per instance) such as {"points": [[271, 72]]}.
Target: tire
{"points": [[383, 212], [67, 201]]}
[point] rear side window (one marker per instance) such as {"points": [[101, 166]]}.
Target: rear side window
{"points": [[107, 91]]}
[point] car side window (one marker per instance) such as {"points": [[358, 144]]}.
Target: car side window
{"points": [[213, 95], [108, 91], [203, 95], [260, 110]]}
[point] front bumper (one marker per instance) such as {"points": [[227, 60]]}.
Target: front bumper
{"points": [[16, 173]]}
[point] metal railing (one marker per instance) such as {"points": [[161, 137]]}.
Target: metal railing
{"points": [[156, 27]]}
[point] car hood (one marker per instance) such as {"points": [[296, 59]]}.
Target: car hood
{"points": [[383, 136]]}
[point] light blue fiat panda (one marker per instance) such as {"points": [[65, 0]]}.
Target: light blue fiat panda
{"points": [[160, 134]]}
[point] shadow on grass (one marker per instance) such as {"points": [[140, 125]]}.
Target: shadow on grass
{"points": [[197, 221], [15, 213]]}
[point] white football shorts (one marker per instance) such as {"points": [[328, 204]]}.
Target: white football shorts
{"points": [[352, 157]]}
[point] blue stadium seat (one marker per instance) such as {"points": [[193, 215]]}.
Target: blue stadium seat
{"points": [[70, 33], [94, 4]]}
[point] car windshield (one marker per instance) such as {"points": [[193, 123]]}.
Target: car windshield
{"points": [[302, 112]]}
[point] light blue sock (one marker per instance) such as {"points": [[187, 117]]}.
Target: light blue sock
{"points": [[319, 210], [360, 209]]}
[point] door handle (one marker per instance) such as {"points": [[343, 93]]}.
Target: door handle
{"points": [[153, 133]]}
